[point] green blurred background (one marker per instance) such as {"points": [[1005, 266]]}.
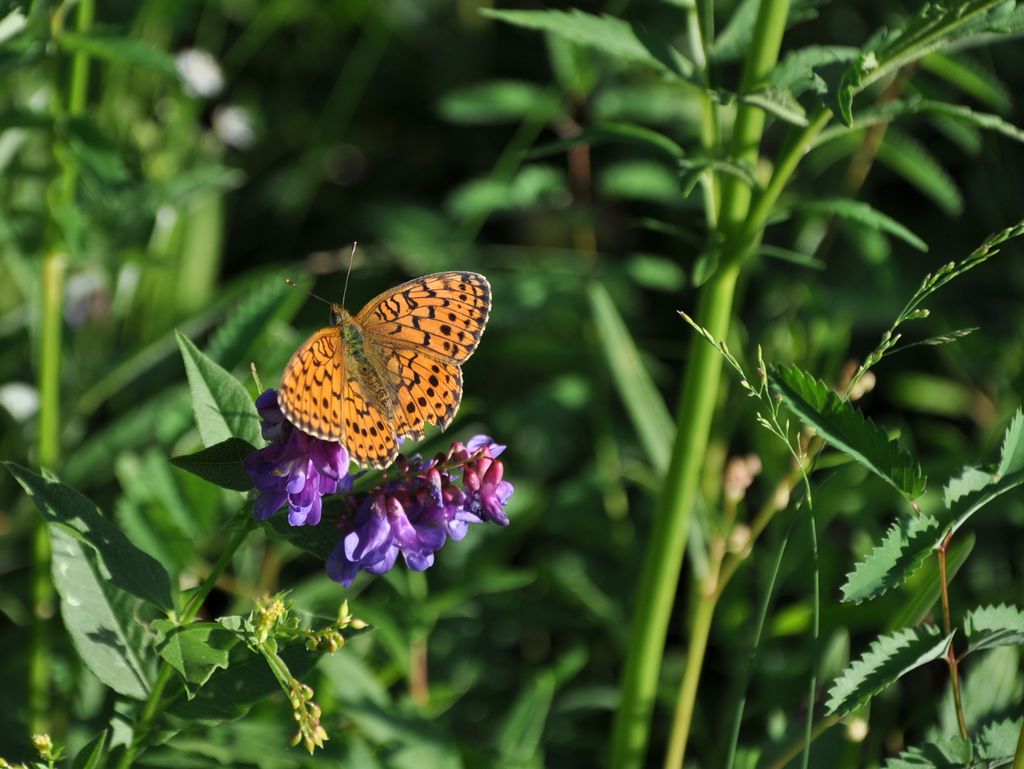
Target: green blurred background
{"points": [[409, 126]]}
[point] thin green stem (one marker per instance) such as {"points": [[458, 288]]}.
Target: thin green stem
{"points": [[152, 707], [699, 633], [947, 624], [667, 545]]}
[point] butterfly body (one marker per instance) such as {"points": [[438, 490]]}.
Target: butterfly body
{"points": [[383, 374]]}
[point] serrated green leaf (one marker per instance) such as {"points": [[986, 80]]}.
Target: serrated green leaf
{"points": [[617, 38], [196, 650], [862, 213], [613, 133], [910, 159], [996, 743], [904, 548], [839, 423], [222, 407], [978, 500], [221, 464], [990, 626], [936, 26], [970, 480], [117, 49], [1011, 460], [499, 101], [93, 753], [954, 753], [779, 102], [887, 660], [796, 70], [644, 404], [120, 563]]}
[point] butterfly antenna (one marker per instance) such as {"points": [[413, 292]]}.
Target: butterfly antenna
{"points": [[351, 257], [293, 284]]}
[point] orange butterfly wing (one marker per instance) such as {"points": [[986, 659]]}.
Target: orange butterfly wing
{"points": [[369, 436], [442, 315], [311, 389], [318, 398], [423, 329]]}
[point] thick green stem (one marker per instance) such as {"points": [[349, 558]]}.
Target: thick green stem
{"points": [[1018, 758], [664, 557], [51, 328]]}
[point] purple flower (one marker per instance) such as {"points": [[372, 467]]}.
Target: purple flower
{"points": [[295, 468], [417, 511]]}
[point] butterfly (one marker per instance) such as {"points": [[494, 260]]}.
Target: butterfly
{"points": [[368, 380]]}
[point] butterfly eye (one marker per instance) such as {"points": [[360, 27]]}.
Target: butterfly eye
{"points": [[337, 314]]}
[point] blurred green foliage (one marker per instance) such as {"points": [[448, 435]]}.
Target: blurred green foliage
{"points": [[441, 139]]}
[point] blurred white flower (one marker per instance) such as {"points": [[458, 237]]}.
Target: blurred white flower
{"points": [[200, 72], [234, 126], [19, 399]]}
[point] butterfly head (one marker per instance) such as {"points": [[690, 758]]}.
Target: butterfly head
{"points": [[339, 315]]}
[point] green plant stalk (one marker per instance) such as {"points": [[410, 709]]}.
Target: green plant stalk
{"points": [[152, 707], [947, 624], [51, 332], [664, 557]]}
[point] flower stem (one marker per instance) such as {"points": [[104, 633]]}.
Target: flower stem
{"points": [[947, 624], [667, 543], [152, 707]]}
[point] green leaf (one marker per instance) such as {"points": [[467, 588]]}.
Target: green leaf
{"points": [[969, 78], [119, 562], [229, 693], [93, 151], [520, 737], [839, 423], [93, 753], [222, 407], [220, 464], [887, 660], [644, 404], [617, 38], [1011, 459], [862, 213], [499, 101], [533, 187], [118, 49], [996, 743], [196, 650], [793, 257], [796, 71], [910, 159], [906, 545], [990, 626], [970, 480], [692, 169], [978, 500], [936, 26], [100, 618], [779, 102], [954, 753], [617, 133]]}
